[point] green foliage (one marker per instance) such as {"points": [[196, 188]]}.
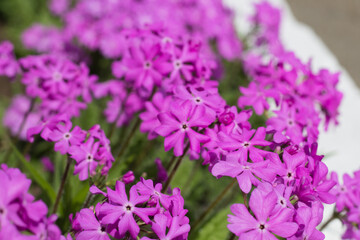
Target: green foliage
{"points": [[34, 174], [215, 228], [17, 15], [233, 77]]}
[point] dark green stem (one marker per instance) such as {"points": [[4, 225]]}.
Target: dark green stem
{"points": [[245, 200], [132, 133], [232, 236], [332, 218], [195, 168], [62, 185], [213, 204], [173, 171], [126, 143], [142, 155], [170, 163]]}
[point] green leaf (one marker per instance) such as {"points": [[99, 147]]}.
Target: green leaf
{"points": [[216, 227], [34, 174]]}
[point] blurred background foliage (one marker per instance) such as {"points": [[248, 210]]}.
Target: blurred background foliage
{"points": [[17, 15]]}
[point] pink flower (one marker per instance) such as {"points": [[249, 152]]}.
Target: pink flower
{"points": [[120, 210], [92, 229], [174, 231], [182, 60], [288, 121], [243, 144], [255, 95], [179, 123], [145, 66], [309, 218], [128, 177], [212, 101], [264, 224], [64, 137], [150, 121], [84, 156], [8, 65], [244, 172]]}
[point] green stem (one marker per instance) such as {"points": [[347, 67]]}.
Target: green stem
{"points": [[126, 143], [62, 185], [173, 171], [170, 163], [142, 155], [213, 204], [88, 200], [132, 133], [332, 218], [245, 200], [195, 168], [232, 236]]}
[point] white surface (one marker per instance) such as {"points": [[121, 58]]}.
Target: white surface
{"points": [[340, 142]]}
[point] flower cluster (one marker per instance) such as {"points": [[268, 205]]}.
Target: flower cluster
{"points": [[90, 149], [302, 97], [21, 216], [347, 203], [50, 39], [146, 208], [64, 89], [105, 25], [59, 83], [165, 68], [20, 108]]}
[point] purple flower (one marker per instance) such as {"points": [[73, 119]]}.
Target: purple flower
{"points": [[232, 121], [145, 66], [45, 127], [15, 114], [128, 177], [287, 121], [114, 111], [8, 65], [162, 175], [264, 224], [43, 38], [91, 227], [64, 137], [59, 7], [345, 196], [113, 45], [319, 188], [147, 188], [85, 157], [179, 123], [150, 121], [255, 96], [308, 219], [244, 172], [292, 162], [175, 231], [20, 212], [47, 163], [243, 144], [212, 101], [120, 210]]}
